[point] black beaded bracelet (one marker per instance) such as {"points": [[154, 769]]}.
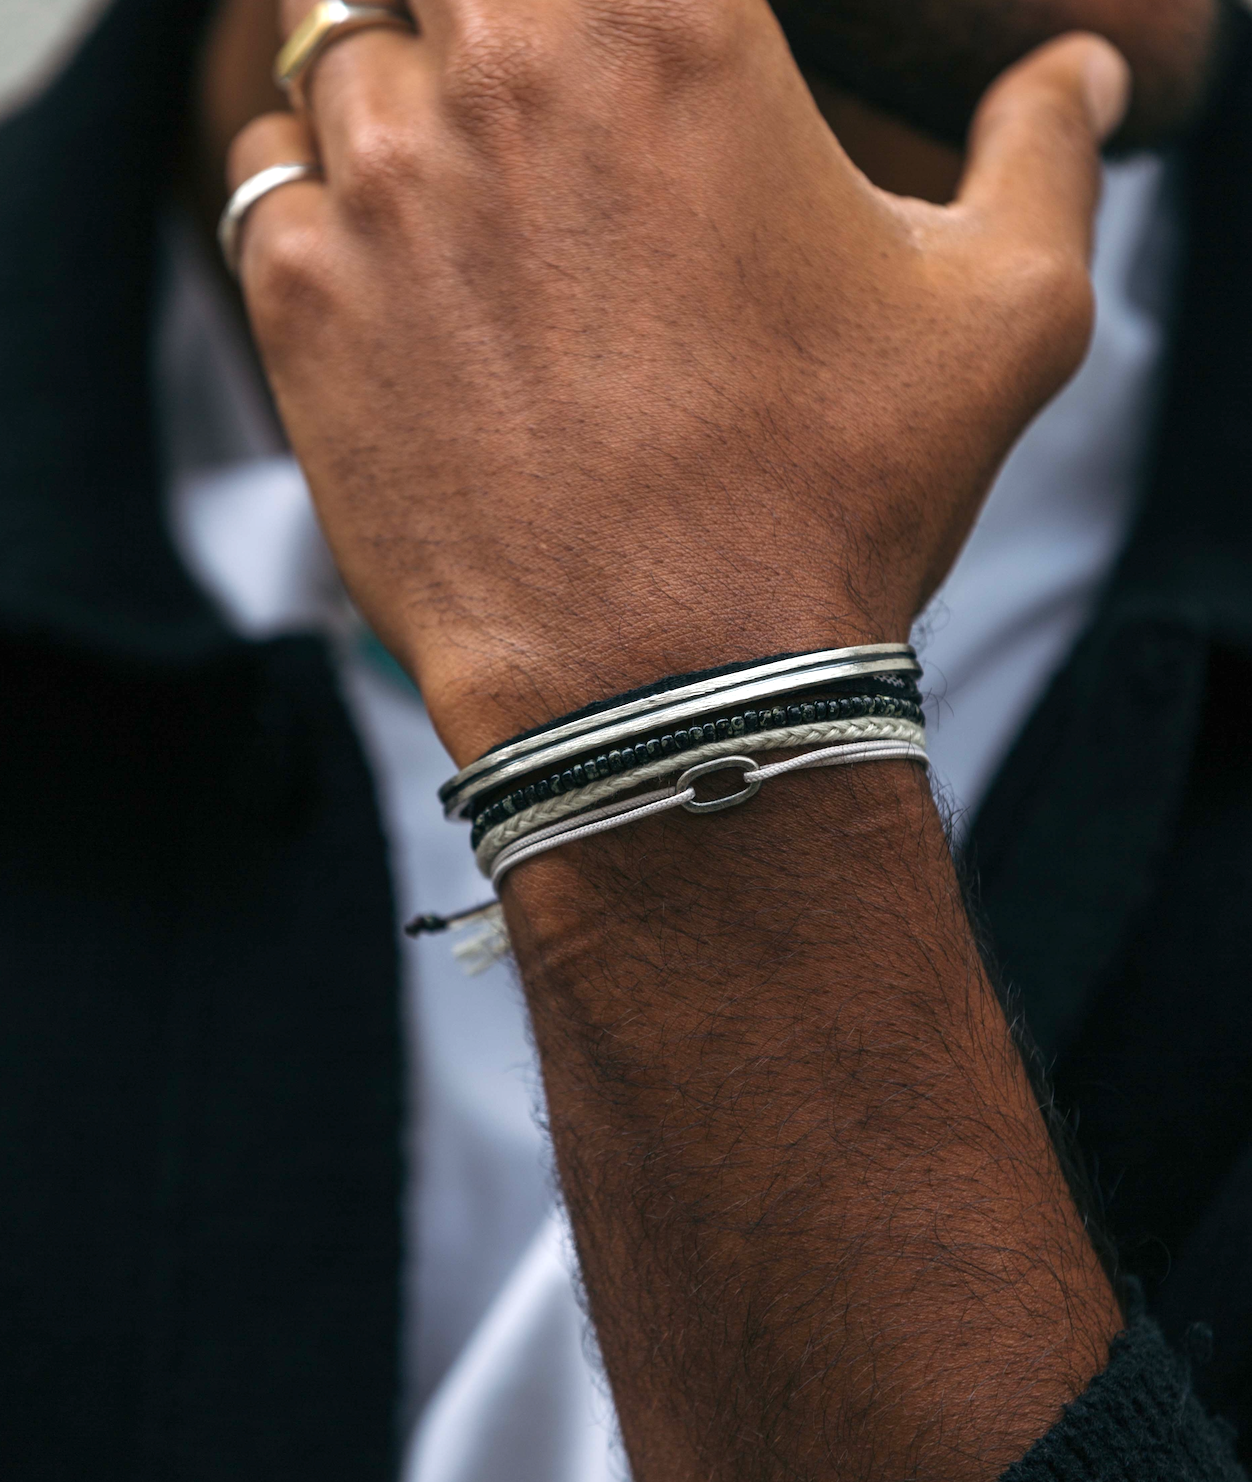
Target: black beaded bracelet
{"points": [[900, 702], [847, 704]]}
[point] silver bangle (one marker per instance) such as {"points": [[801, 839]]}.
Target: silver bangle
{"points": [[549, 746], [254, 189]]}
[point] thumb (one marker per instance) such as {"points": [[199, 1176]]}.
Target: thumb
{"points": [[1033, 163]]}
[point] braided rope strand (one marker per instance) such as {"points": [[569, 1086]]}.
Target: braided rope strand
{"points": [[816, 733], [632, 810]]}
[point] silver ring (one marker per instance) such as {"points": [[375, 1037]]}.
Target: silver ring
{"points": [[744, 764], [248, 194]]}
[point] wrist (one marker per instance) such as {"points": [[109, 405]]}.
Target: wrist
{"points": [[483, 688]]}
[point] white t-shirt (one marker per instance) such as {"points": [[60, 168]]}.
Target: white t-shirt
{"points": [[501, 1378], [1026, 583]]}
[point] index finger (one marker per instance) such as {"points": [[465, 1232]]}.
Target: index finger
{"points": [[1034, 149]]}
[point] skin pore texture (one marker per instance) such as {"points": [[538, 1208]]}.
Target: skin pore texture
{"points": [[604, 362]]}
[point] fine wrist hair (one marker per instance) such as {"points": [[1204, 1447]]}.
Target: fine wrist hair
{"points": [[818, 1214]]}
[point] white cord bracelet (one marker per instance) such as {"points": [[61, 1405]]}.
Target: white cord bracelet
{"points": [[531, 820], [683, 795]]}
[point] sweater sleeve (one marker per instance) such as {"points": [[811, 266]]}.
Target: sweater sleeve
{"points": [[1137, 1421]]}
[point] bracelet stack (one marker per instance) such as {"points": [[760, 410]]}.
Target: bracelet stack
{"points": [[583, 774]]}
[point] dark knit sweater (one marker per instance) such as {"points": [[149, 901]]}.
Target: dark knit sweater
{"points": [[1138, 1421], [1112, 858]]}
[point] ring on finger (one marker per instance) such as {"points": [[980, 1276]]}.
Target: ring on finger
{"points": [[249, 193], [326, 23]]}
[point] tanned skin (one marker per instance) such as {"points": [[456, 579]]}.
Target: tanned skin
{"points": [[605, 363]]}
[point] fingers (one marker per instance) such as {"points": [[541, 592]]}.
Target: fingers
{"points": [[1033, 168], [273, 139]]}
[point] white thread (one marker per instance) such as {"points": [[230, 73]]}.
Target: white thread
{"points": [[523, 824], [485, 941], [633, 810]]}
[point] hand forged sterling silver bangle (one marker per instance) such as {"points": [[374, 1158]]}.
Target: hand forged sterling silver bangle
{"points": [[562, 809], [249, 193]]}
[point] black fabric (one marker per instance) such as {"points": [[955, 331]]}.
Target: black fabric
{"points": [[200, 1067], [199, 1076], [1162, 1068], [1139, 1421], [1103, 765], [1113, 856], [84, 169], [1210, 1284]]}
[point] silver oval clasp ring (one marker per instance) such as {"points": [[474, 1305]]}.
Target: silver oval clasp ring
{"points": [[744, 764]]}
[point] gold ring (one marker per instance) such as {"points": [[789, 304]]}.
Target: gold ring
{"points": [[322, 27]]}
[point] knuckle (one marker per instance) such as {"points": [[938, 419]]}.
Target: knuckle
{"points": [[379, 165], [684, 38], [496, 69], [285, 279], [256, 145]]}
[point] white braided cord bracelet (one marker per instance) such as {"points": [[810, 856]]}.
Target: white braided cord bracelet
{"points": [[784, 738], [682, 795]]}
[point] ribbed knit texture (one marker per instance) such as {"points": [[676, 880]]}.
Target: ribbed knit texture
{"points": [[1139, 1421]]}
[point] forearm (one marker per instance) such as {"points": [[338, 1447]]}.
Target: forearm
{"points": [[821, 1225]]}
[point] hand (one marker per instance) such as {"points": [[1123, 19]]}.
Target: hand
{"points": [[603, 361]]}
